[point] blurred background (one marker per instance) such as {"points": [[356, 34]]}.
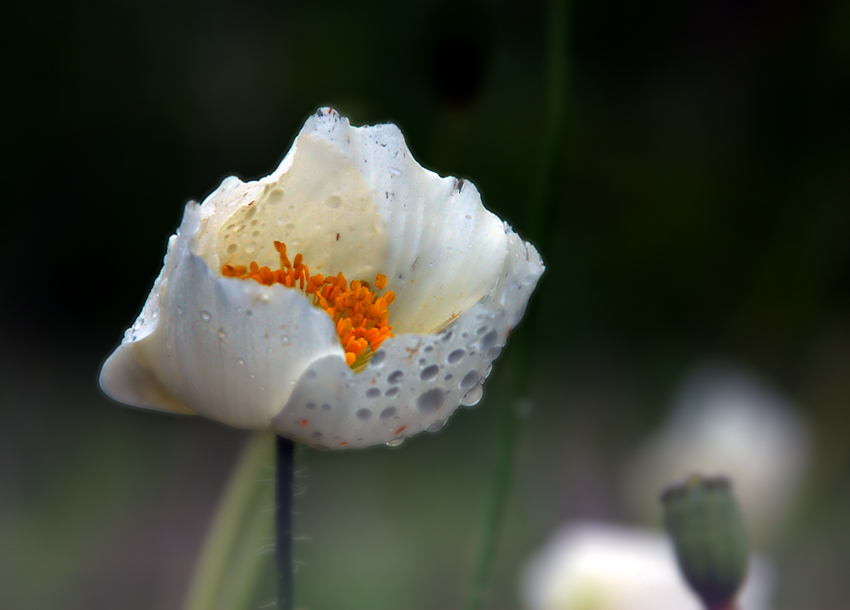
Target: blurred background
{"points": [[700, 218]]}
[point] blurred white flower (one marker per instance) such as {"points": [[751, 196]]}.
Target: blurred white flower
{"points": [[319, 358], [591, 566], [726, 421]]}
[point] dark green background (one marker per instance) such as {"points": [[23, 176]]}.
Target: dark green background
{"points": [[702, 210]]}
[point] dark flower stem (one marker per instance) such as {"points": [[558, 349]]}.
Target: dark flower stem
{"points": [[284, 469]]}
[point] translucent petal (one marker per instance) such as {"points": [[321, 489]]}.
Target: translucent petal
{"points": [[415, 381], [224, 348]]}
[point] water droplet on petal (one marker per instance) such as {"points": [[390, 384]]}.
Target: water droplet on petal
{"points": [[284, 340], [395, 442], [378, 358], [429, 373], [395, 171], [205, 315], [436, 425], [455, 356], [431, 400], [473, 397], [240, 361], [469, 380]]}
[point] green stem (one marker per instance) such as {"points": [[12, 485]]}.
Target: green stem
{"points": [[517, 390], [229, 565]]}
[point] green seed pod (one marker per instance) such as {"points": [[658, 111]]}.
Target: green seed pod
{"points": [[703, 518]]}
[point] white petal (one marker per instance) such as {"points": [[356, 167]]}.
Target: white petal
{"points": [[353, 200], [415, 381], [227, 349], [444, 249]]}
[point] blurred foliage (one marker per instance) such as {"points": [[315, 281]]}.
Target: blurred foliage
{"points": [[702, 209]]}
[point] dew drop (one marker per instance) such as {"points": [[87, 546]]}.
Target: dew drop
{"points": [[489, 340], [391, 392], [221, 334], [252, 376], [388, 413], [373, 392], [395, 442], [395, 171], [430, 400], [326, 406], [363, 414], [469, 380], [429, 373], [205, 315], [378, 358], [311, 406], [240, 361], [395, 376], [473, 397], [456, 356], [284, 340], [179, 311], [436, 425]]}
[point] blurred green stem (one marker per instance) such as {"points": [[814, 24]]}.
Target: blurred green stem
{"points": [[517, 389], [229, 565]]}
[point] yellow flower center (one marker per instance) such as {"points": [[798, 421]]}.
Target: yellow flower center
{"points": [[360, 315]]}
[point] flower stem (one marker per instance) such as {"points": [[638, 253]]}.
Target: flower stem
{"points": [[229, 566], [509, 428], [285, 469], [517, 390]]}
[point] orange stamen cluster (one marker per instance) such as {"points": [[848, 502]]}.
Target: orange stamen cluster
{"points": [[360, 315]]}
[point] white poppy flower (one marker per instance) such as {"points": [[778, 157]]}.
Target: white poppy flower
{"points": [[351, 201], [593, 566]]}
